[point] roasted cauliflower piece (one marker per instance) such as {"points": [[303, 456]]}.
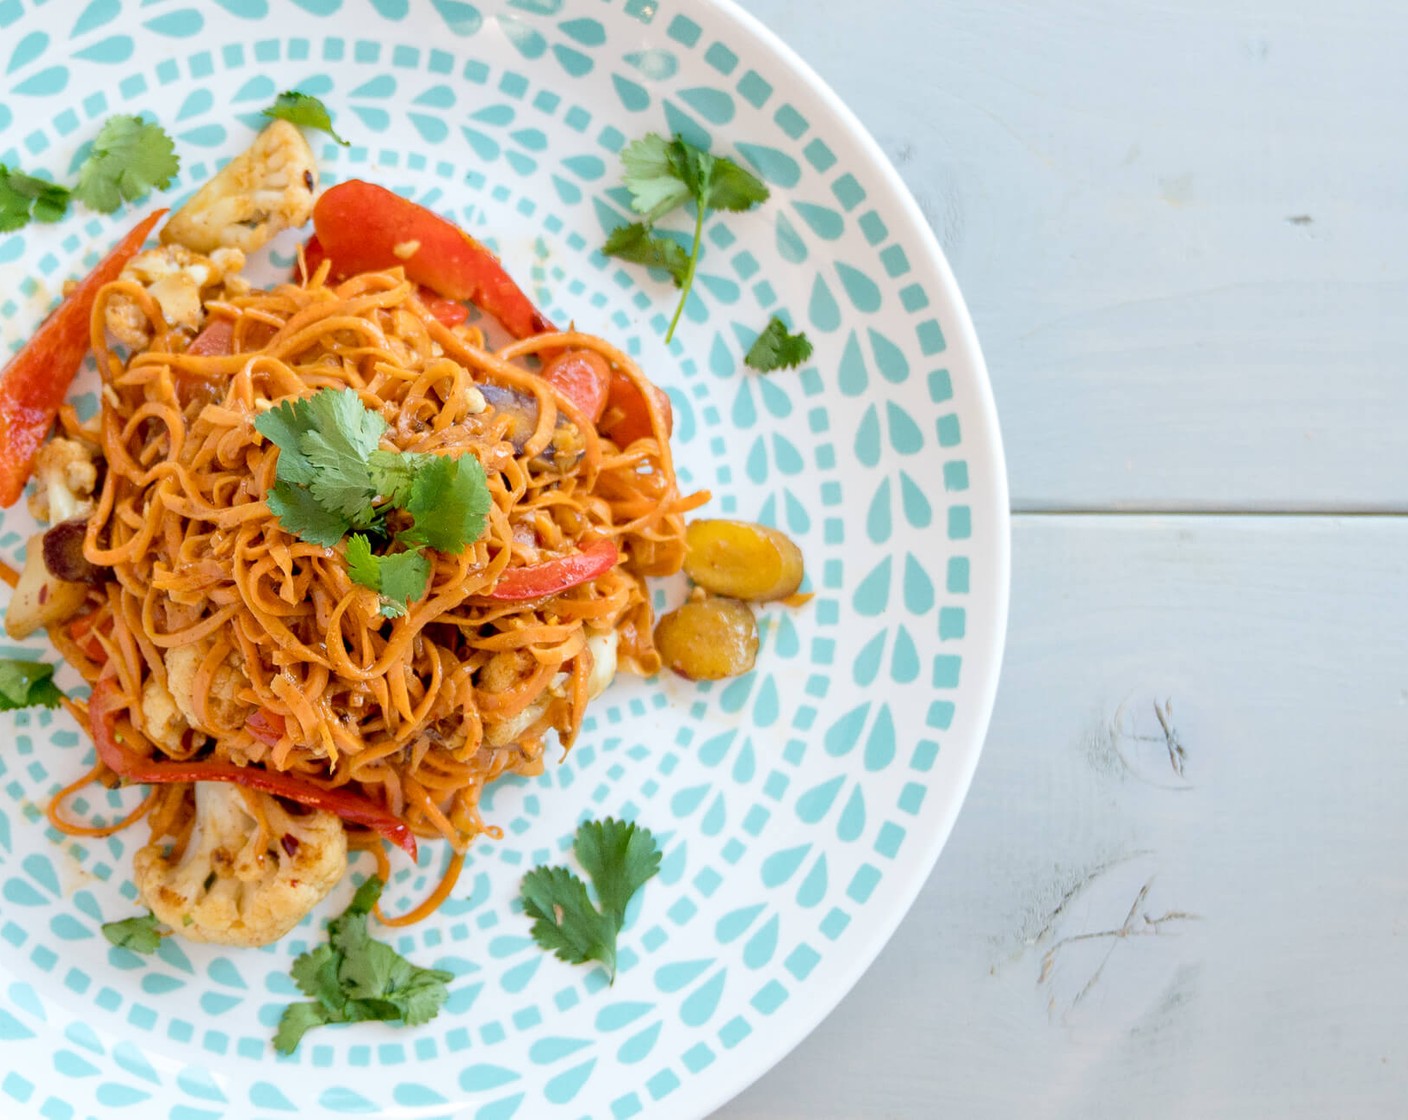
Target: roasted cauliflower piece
{"points": [[65, 476], [603, 650], [233, 886], [161, 719], [222, 702], [260, 193], [177, 279]]}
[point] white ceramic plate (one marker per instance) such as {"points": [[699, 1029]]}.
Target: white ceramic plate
{"points": [[801, 807]]}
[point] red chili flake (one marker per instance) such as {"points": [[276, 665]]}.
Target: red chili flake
{"points": [[43, 594], [290, 843]]}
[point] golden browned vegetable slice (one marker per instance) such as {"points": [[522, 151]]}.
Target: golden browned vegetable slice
{"points": [[708, 639], [39, 599], [742, 560]]}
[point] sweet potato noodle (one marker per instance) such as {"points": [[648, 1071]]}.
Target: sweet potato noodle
{"points": [[284, 660]]}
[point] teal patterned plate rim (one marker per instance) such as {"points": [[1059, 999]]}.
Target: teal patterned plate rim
{"points": [[800, 808]]}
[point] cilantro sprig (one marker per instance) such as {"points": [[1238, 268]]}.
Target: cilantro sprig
{"points": [[130, 157], [354, 978], [663, 175], [776, 348], [24, 197], [304, 110], [141, 934], [333, 479], [27, 684], [619, 858]]}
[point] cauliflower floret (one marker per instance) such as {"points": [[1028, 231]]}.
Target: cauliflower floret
{"points": [[603, 649], [163, 721], [228, 888], [222, 702], [261, 192], [177, 279], [65, 475]]}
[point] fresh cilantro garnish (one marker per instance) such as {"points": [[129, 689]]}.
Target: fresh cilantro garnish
{"points": [[141, 935], [449, 498], [637, 244], [399, 577], [23, 197], [619, 858], [662, 175], [332, 479], [304, 110], [130, 156], [27, 684], [355, 978], [775, 348]]}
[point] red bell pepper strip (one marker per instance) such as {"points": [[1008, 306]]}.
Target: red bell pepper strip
{"points": [[451, 312], [627, 417], [536, 581], [352, 807], [81, 631], [583, 377], [365, 228], [215, 341], [34, 384]]}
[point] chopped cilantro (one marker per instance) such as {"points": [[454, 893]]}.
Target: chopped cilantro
{"points": [[23, 197], [130, 156], [662, 175], [775, 348], [619, 858], [27, 684], [355, 978], [304, 110], [141, 934]]}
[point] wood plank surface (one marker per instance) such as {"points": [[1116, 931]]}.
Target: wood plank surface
{"points": [[1178, 887], [1181, 227]]}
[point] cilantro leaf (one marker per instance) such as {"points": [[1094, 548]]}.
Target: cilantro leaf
{"points": [[300, 513], [734, 188], [323, 478], [27, 684], [297, 1020], [140, 934], [393, 472], [305, 110], [130, 157], [652, 177], [775, 348], [637, 244], [564, 920], [355, 978], [662, 175], [400, 578], [23, 197], [619, 857], [340, 433], [449, 500]]}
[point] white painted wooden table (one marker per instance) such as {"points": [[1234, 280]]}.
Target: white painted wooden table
{"points": [[1180, 884]]}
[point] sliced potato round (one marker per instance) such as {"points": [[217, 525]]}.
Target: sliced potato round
{"points": [[742, 560], [708, 639]]}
